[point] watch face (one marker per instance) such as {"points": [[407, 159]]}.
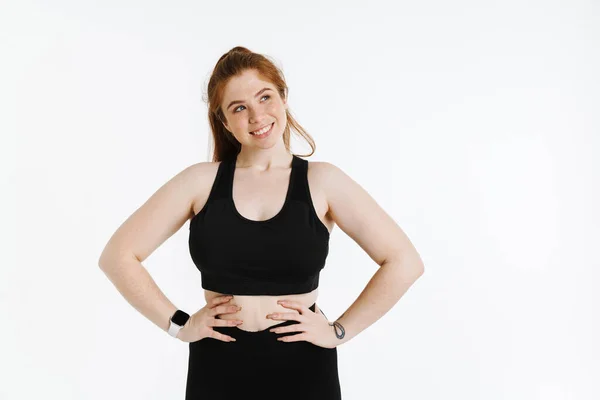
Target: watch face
{"points": [[180, 318]]}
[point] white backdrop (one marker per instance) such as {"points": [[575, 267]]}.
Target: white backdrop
{"points": [[473, 124]]}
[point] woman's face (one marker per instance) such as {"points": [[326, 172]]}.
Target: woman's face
{"points": [[250, 104]]}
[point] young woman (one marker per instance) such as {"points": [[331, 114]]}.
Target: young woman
{"points": [[260, 218]]}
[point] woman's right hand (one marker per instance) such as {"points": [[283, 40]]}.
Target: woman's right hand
{"points": [[199, 325]]}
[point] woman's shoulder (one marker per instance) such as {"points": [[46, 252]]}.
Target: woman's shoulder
{"points": [[202, 174], [323, 171], [203, 166], [202, 171], [332, 179], [200, 178], [324, 180]]}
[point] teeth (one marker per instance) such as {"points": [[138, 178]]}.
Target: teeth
{"points": [[263, 130]]}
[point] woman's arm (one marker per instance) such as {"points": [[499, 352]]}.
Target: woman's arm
{"points": [[361, 218], [146, 229], [134, 282]]}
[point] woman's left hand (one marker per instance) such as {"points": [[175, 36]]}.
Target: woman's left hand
{"points": [[314, 326]]}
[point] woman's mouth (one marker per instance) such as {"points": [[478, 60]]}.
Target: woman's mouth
{"points": [[264, 132]]}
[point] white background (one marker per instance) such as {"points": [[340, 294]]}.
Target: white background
{"points": [[473, 124]]}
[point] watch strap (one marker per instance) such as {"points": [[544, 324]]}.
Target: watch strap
{"points": [[174, 329]]}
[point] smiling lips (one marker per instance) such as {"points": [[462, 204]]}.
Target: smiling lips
{"points": [[263, 131]]}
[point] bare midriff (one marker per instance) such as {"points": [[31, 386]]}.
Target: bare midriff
{"points": [[256, 308]]}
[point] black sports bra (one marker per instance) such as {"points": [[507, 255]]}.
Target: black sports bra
{"points": [[278, 256]]}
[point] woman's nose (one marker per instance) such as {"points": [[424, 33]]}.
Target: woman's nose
{"points": [[256, 115]]}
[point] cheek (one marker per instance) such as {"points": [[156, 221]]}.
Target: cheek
{"points": [[238, 124], [277, 109], [279, 112]]}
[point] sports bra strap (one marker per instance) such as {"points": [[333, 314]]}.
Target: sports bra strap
{"points": [[299, 179], [221, 184]]}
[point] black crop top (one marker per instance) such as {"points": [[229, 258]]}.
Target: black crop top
{"points": [[278, 256]]}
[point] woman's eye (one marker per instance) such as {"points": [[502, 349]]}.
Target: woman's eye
{"points": [[266, 95]]}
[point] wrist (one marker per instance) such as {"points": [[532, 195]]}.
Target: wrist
{"points": [[177, 322], [184, 330], [339, 332]]}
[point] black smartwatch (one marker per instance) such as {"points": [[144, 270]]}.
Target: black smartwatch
{"points": [[177, 322]]}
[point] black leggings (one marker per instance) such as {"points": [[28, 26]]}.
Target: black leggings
{"points": [[258, 366]]}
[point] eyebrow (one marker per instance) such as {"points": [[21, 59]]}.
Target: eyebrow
{"points": [[240, 101]]}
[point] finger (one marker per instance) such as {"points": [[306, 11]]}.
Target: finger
{"points": [[219, 300], [288, 328], [223, 322], [293, 338], [286, 316], [219, 336], [224, 310], [294, 305]]}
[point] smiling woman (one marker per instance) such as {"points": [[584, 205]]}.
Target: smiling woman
{"points": [[262, 113], [260, 220]]}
